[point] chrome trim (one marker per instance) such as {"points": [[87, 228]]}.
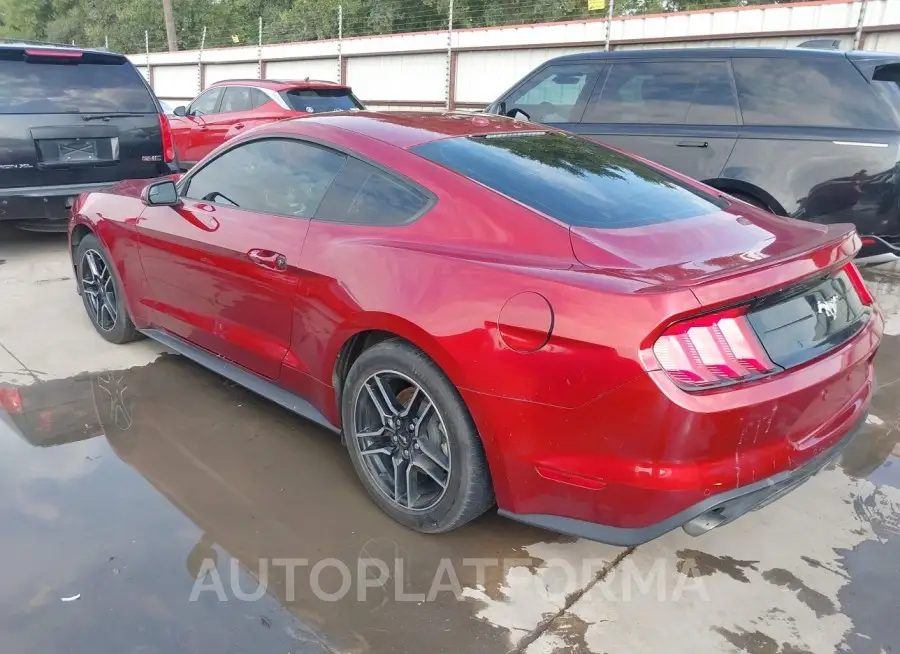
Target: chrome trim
{"points": [[861, 144]]}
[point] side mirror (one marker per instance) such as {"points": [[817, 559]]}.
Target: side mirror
{"points": [[161, 194], [180, 110], [518, 114]]}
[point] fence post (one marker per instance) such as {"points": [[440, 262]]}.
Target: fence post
{"points": [[450, 80], [340, 40], [858, 36], [106, 42], [259, 62], [147, 59], [200, 62], [609, 18]]}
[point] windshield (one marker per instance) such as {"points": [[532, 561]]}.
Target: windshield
{"points": [[38, 87], [576, 181], [315, 101]]}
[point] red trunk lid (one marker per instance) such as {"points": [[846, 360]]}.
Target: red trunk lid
{"points": [[722, 257]]}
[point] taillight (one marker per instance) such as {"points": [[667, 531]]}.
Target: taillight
{"points": [[859, 284], [168, 142], [10, 400], [712, 350]]}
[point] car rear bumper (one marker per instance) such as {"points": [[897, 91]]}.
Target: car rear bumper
{"points": [[37, 203], [700, 518], [649, 457]]}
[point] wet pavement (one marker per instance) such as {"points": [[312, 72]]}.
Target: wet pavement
{"points": [[186, 514]]}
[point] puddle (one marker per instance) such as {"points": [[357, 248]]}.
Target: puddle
{"points": [[128, 486]]}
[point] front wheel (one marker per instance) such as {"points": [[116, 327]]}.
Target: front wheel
{"points": [[412, 440], [102, 293]]}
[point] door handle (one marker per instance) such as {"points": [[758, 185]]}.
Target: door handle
{"points": [[691, 144], [268, 259]]}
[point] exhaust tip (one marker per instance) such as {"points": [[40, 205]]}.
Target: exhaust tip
{"points": [[704, 523]]}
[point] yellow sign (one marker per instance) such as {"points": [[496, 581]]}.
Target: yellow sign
{"points": [[594, 5]]}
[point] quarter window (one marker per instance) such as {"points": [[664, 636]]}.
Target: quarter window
{"points": [[363, 194], [258, 98], [276, 176], [820, 92], [665, 92]]}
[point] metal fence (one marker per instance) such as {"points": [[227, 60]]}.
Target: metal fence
{"points": [[306, 20]]}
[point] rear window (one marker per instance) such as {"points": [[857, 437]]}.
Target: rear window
{"points": [[318, 100], [89, 84], [574, 180]]}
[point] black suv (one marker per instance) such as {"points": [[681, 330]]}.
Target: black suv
{"points": [[73, 120], [812, 134]]}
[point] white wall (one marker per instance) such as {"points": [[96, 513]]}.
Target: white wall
{"points": [[213, 73], [176, 82], [475, 84], [324, 69], [411, 69], [407, 78]]}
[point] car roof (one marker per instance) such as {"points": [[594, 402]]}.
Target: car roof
{"points": [[21, 44], [280, 84], [406, 129], [700, 53]]}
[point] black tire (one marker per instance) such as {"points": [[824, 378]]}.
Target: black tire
{"points": [[122, 329], [468, 491]]}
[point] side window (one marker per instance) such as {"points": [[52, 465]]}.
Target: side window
{"points": [[363, 194], [556, 94], [258, 98], [815, 92], [278, 176], [236, 98], [665, 92], [205, 104]]}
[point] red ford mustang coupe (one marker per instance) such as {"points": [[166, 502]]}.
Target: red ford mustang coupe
{"points": [[493, 312]]}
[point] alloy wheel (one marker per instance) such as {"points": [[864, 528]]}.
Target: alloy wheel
{"points": [[99, 290], [402, 440]]}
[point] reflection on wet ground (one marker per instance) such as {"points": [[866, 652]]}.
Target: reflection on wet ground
{"points": [[138, 489], [243, 479]]}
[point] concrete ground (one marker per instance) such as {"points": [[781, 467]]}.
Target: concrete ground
{"points": [[147, 505]]}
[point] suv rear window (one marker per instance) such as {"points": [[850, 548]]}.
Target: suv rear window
{"points": [[574, 180], [318, 100], [91, 83]]}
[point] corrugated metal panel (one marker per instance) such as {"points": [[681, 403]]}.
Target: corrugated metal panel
{"points": [[175, 81], [883, 42], [407, 78], [387, 68], [762, 42], [325, 69], [405, 107], [217, 72], [506, 68]]}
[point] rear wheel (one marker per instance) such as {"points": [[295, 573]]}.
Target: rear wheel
{"points": [[412, 440], [101, 292]]}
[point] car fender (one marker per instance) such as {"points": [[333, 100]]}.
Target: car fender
{"points": [[379, 321]]}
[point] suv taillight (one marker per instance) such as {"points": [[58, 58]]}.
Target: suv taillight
{"points": [[168, 142], [712, 350]]}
